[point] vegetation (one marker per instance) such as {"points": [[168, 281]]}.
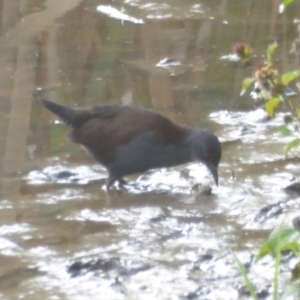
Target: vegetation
{"points": [[276, 89], [282, 241]]}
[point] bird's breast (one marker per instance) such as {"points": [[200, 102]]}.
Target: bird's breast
{"points": [[144, 152]]}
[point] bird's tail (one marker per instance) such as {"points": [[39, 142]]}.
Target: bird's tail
{"points": [[66, 114]]}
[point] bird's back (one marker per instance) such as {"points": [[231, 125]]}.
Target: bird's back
{"points": [[103, 129], [111, 127]]}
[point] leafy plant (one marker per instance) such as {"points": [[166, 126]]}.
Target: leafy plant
{"points": [[271, 86], [248, 282], [286, 238]]}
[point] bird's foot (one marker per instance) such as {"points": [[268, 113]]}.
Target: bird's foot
{"points": [[122, 182], [111, 181]]}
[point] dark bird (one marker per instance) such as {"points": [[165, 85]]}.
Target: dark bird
{"points": [[128, 140]]}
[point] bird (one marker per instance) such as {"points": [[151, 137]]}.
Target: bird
{"points": [[128, 140]]}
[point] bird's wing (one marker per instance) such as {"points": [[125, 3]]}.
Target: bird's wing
{"points": [[112, 126]]}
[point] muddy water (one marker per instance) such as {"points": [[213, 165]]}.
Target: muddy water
{"points": [[63, 236]]}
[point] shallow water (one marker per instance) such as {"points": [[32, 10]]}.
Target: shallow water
{"points": [[63, 236]]}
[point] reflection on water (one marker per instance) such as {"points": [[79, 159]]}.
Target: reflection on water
{"points": [[62, 235]]}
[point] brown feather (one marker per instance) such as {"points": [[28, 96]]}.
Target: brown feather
{"points": [[111, 126]]}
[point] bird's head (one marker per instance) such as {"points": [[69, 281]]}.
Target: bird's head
{"points": [[206, 148]]}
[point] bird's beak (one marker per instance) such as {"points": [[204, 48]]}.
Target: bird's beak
{"points": [[214, 171]]}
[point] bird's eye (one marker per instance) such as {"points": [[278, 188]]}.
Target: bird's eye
{"points": [[207, 156]]}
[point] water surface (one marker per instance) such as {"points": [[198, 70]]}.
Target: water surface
{"points": [[63, 236]]}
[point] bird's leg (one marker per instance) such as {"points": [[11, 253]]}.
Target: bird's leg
{"points": [[111, 180], [122, 182]]}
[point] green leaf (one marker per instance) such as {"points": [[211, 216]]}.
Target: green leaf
{"points": [[270, 51], [247, 82], [271, 106], [243, 271], [288, 77], [284, 130], [263, 251], [276, 274], [292, 145], [286, 238], [287, 2]]}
